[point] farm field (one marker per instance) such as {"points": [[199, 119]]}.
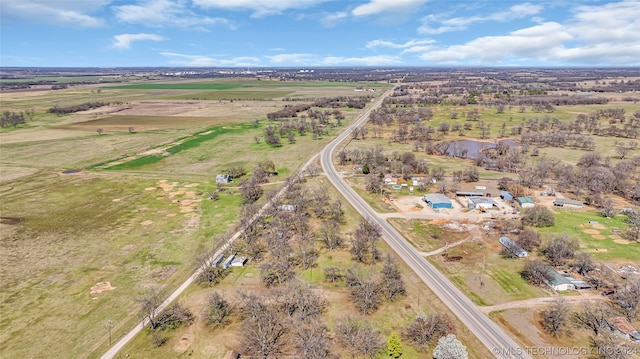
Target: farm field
{"points": [[82, 246]]}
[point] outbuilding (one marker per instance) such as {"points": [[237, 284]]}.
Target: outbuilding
{"points": [[438, 200], [506, 195], [222, 178], [482, 202], [623, 328], [559, 282], [525, 202], [238, 261], [513, 248], [468, 194], [227, 262], [216, 261], [568, 203]]}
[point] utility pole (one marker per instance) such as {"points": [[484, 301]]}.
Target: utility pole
{"points": [[482, 273], [109, 324]]}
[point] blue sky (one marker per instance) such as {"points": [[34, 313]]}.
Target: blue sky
{"points": [[318, 33]]}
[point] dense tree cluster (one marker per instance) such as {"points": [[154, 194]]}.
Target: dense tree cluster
{"points": [[58, 110], [14, 118]]}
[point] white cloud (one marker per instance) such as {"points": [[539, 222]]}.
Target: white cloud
{"points": [[124, 41], [260, 8], [541, 42], [289, 59], [74, 13], [208, 61], [165, 13], [382, 60], [331, 20], [439, 23], [593, 35], [411, 43], [382, 6]]}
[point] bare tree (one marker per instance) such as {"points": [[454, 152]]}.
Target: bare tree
{"points": [[264, 334], [426, 329], [174, 316], [299, 301], [366, 292], [332, 274], [330, 234], [633, 219], [311, 340], [149, 301], [607, 346], [537, 272], [528, 239], [628, 298], [560, 247], [583, 263], [100, 131], [449, 347], [538, 217], [555, 318], [358, 336], [392, 281], [250, 190], [592, 316], [218, 310]]}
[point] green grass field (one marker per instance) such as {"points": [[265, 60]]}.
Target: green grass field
{"points": [[177, 86], [602, 246]]}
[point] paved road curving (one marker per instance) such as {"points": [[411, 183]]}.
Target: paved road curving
{"points": [[489, 333]]}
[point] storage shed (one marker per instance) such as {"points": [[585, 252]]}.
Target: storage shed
{"points": [[482, 202], [512, 247], [525, 202], [438, 200], [506, 195], [566, 202]]}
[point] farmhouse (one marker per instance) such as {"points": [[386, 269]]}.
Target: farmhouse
{"points": [[621, 327], [569, 203], [221, 178], [559, 282], [512, 247], [390, 179], [525, 202], [437, 200], [506, 195], [482, 202]]}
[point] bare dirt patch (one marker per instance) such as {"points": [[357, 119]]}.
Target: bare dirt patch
{"points": [[163, 273], [621, 241], [591, 231], [101, 287], [598, 236], [146, 223]]}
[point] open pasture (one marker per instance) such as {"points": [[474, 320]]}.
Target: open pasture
{"points": [[62, 235], [121, 123], [605, 241]]}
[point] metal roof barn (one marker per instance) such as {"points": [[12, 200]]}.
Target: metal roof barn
{"points": [[437, 200]]}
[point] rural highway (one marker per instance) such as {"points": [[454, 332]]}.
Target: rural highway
{"points": [[493, 337], [487, 331]]}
